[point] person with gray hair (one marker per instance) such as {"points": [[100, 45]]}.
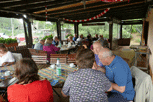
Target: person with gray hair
{"points": [[39, 45], [55, 41], [118, 72]]}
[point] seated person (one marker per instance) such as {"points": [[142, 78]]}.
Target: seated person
{"points": [[6, 57], [29, 87], [118, 72], [55, 42], [39, 46], [71, 42], [50, 48], [96, 48], [86, 84], [95, 38], [75, 37], [90, 41]]}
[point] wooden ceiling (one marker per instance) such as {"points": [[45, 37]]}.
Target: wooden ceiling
{"points": [[73, 9]]}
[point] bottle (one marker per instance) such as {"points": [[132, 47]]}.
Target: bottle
{"points": [[58, 67]]}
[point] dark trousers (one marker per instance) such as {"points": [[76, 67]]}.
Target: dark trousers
{"points": [[116, 97]]}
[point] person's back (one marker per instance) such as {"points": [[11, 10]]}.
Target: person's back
{"points": [[87, 85], [37, 91], [51, 49], [29, 87], [38, 46]]}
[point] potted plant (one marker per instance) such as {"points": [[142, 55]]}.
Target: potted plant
{"points": [[49, 36], [9, 42]]}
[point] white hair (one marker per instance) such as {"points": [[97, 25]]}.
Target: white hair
{"points": [[107, 53]]}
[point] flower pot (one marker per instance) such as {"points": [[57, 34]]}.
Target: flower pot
{"points": [[11, 45]]}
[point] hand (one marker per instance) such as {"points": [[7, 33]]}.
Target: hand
{"points": [[101, 69], [94, 65], [5, 63]]}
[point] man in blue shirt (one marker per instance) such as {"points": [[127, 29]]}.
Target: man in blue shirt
{"points": [[118, 72]]}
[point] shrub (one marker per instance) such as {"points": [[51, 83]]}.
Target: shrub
{"points": [[49, 36], [8, 40]]}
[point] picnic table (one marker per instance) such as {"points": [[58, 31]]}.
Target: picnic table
{"points": [[50, 74]]}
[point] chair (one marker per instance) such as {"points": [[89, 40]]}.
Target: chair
{"points": [[39, 56], [71, 58], [62, 57], [17, 56], [143, 85]]}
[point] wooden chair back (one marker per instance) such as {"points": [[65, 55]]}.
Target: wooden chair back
{"points": [[71, 58], [62, 57], [39, 56]]}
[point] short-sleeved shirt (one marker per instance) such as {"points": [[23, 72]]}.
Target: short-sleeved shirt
{"points": [[119, 72], [98, 62], [8, 57], [86, 85]]}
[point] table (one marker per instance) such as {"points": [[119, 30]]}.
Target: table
{"points": [[50, 73], [139, 50], [66, 50], [7, 81]]}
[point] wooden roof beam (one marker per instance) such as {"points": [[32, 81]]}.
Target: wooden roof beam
{"points": [[116, 10], [21, 3], [69, 11], [36, 7], [67, 6], [130, 4]]}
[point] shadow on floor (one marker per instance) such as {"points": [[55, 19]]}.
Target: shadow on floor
{"points": [[61, 99]]}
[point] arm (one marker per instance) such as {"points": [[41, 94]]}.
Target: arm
{"points": [[102, 69], [120, 79], [56, 48], [7, 63], [118, 88], [63, 94], [110, 89]]}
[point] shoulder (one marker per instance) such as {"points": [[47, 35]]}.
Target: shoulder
{"points": [[9, 53], [13, 87]]}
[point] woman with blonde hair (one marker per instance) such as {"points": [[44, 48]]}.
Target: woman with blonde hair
{"points": [[71, 42], [50, 48]]}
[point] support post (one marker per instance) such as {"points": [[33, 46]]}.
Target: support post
{"points": [[25, 31], [110, 33], [121, 31], [28, 32], [58, 29], [76, 29]]}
